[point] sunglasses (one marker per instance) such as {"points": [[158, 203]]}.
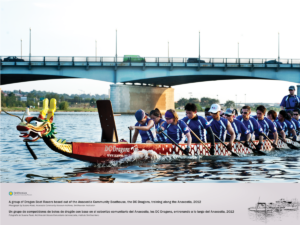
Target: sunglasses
{"points": [[168, 118], [244, 112], [295, 114], [291, 90], [228, 115]]}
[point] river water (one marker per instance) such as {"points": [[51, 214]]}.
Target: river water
{"points": [[17, 165]]}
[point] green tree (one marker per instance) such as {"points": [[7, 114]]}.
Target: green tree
{"points": [[93, 102], [199, 108], [229, 104], [205, 101], [194, 100], [182, 102], [63, 105]]}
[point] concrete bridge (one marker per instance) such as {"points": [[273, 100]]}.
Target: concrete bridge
{"points": [[148, 75]]}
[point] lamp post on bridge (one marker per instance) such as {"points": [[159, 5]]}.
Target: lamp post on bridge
{"points": [[199, 46], [278, 48], [96, 49], [168, 53], [238, 51], [29, 44], [116, 45]]}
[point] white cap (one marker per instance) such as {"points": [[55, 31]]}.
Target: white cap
{"points": [[215, 108]]}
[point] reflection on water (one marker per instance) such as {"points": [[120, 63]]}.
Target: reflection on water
{"points": [[17, 164]]}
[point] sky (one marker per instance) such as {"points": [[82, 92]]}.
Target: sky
{"points": [[70, 28]]}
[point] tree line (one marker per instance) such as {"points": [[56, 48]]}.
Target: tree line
{"points": [[202, 103], [35, 98]]}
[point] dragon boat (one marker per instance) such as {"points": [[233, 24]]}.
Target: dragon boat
{"points": [[110, 148]]}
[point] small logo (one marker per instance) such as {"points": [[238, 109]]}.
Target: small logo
{"points": [[10, 193]]}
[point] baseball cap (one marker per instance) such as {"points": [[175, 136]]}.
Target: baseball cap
{"points": [[140, 114], [215, 108], [292, 88], [228, 112]]}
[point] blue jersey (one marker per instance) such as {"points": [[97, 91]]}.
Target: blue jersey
{"points": [[266, 125], [218, 127], [160, 137], [253, 126], [287, 127], [278, 128], [290, 102], [239, 117], [146, 134], [175, 131], [239, 129], [296, 125], [199, 126]]}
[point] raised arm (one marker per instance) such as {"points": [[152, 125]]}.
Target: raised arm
{"points": [[135, 135], [231, 132], [189, 139], [144, 128]]}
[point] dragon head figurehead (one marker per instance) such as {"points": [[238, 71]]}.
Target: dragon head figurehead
{"points": [[33, 128]]}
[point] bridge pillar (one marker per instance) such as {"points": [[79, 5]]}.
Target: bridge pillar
{"points": [[129, 98]]}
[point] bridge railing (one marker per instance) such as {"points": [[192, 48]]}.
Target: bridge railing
{"points": [[152, 59]]}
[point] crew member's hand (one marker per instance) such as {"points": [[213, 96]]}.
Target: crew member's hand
{"points": [[131, 127], [247, 144], [229, 146], [187, 150], [274, 144], [294, 138], [159, 130]]}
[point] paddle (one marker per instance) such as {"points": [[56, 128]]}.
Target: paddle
{"points": [[31, 151], [200, 140], [291, 146], [184, 151], [232, 153], [130, 135], [275, 146], [236, 140], [257, 152]]}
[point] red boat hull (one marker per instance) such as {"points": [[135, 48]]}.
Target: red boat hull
{"points": [[104, 152]]}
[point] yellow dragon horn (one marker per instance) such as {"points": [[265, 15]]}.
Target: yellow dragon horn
{"points": [[52, 109], [45, 109]]}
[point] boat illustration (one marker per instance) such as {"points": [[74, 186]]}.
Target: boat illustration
{"points": [[261, 207], [110, 148]]}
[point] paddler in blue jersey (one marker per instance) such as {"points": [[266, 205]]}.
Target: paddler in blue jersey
{"points": [[265, 123], [175, 128], [272, 115], [196, 123], [238, 127], [252, 125], [287, 127], [291, 101], [220, 126], [296, 117], [293, 121], [158, 121], [144, 127]]}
